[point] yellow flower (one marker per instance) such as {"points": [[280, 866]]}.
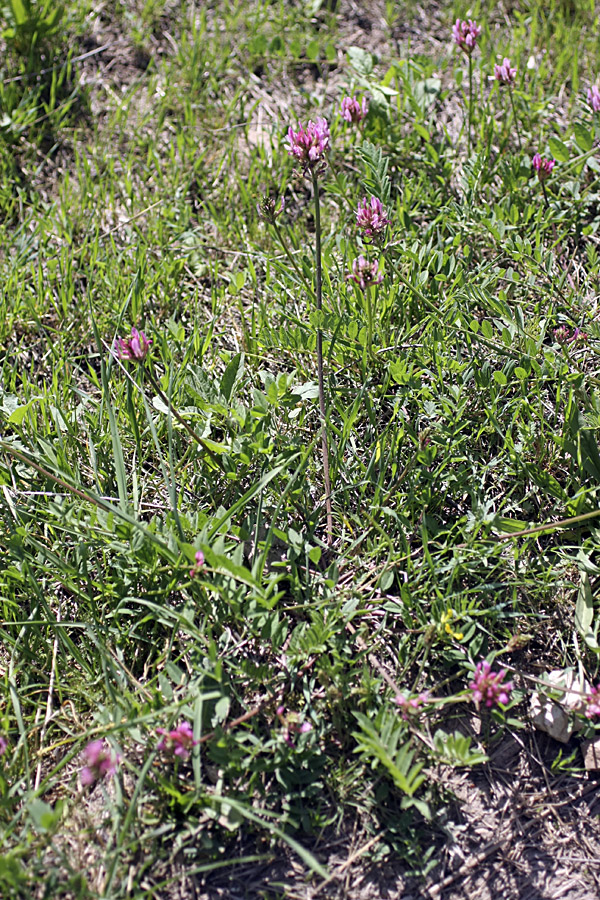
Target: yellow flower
{"points": [[445, 621]]}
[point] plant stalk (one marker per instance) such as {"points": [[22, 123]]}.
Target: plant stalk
{"points": [[154, 382], [470, 102], [319, 298], [516, 121]]}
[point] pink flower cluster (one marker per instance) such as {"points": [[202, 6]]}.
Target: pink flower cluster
{"points": [[593, 97], [101, 761], [592, 702], [3, 745], [365, 273], [465, 35], [371, 217], [564, 335], [309, 145], [179, 741], [291, 725], [504, 73], [543, 166], [489, 687], [198, 565], [136, 347], [354, 111], [411, 706]]}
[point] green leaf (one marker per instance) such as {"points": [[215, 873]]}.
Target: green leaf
{"points": [[584, 608], [583, 138], [500, 378], [509, 526], [360, 60], [19, 11], [44, 816], [312, 51], [16, 417], [231, 375], [559, 151], [314, 554], [386, 580], [221, 710]]}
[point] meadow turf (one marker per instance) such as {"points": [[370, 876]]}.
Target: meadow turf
{"points": [[166, 557]]}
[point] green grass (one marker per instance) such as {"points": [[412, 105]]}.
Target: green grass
{"points": [[129, 198]]}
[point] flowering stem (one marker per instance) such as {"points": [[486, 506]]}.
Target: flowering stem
{"points": [[369, 296], [545, 194], [516, 121], [181, 420], [318, 280], [470, 101]]}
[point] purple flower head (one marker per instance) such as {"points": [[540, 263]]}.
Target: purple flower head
{"points": [[592, 702], [504, 74], [563, 335], [593, 97], [354, 111], [291, 725], [136, 347], [3, 745], [267, 209], [310, 145], [179, 741], [198, 565], [465, 35], [371, 217], [365, 273], [411, 706], [542, 166], [488, 687], [101, 762]]}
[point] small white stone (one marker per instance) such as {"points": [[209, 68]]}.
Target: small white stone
{"points": [[555, 716]]}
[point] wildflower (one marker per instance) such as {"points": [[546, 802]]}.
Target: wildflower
{"points": [[3, 745], [488, 686], [101, 762], [465, 35], [136, 347], [371, 217], [412, 705], [291, 725], [593, 97], [179, 741], [504, 74], [267, 209], [563, 335], [445, 621], [365, 273], [353, 111], [592, 701], [198, 565], [310, 145], [542, 166]]}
